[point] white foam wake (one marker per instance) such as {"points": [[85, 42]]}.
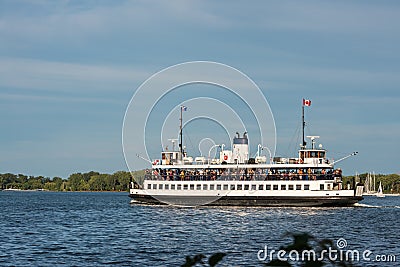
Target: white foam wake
{"points": [[366, 205]]}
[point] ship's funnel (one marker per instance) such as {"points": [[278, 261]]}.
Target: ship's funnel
{"points": [[241, 149]]}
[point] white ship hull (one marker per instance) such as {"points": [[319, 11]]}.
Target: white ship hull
{"points": [[245, 193]]}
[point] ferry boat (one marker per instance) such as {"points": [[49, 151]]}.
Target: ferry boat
{"points": [[235, 179]]}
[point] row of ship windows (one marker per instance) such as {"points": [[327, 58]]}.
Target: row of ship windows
{"points": [[230, 187]]}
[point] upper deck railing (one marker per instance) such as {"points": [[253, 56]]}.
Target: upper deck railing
{"points": [[243, 176]]}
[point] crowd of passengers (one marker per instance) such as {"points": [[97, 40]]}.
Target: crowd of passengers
{"points": [[242, 174]]}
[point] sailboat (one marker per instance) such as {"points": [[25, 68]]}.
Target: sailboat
{"points": [[369, 185], [380, 191]]}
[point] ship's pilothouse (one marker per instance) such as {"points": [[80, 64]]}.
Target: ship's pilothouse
{"points": [[313, 155]]}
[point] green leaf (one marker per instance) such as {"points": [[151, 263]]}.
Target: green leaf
{"points": [[193, 261]]}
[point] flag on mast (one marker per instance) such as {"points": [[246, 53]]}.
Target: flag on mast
{"points": [[183, 108], [306, 102]]}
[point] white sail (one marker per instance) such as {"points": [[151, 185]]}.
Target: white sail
{"points": [[380, 191]]}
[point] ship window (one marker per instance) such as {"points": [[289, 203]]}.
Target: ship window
{"points": [[149, 186], [283, 187], [167, 187], [239, 187], [211, 187], [275, 187], [185, 187], [254, 187], [261, 187], [290, 187], [172, 187], [246, 187], [226, 187], [160, 186], [328, 186], [198, 187], [192, 187], [306, 187], [218, 187], [179, 187], [298, 186], [205, 186], [267, 187], [321, 187], [232, 187], [154, 186]]}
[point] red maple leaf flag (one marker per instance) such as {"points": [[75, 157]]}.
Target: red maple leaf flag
{"points": [[306, 102]]}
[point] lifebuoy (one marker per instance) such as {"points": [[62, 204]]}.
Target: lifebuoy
{"points": [[225, 157]]}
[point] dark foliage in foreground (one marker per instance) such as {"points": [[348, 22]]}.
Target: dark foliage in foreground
{"points": [[301, 242]]}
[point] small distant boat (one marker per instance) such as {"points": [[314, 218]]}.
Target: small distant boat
{"points": [[12, 189], [380, 191]]}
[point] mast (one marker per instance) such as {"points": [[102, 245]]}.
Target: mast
{"points": [[306, 102], [303, 125], [180, 134]]}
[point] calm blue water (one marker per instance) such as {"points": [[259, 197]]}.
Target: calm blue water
{"points": [[95, 229]]}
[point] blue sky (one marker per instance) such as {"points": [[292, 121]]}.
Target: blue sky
{"points": [[68, 70]]}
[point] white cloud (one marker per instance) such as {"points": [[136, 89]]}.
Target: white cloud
{"points": [[75, 24], [326, 17], [60, 76]]}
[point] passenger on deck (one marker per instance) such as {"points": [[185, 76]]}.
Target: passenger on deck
{"points": [[269, 175], [308, 174], [300, 171], [323, 174]]}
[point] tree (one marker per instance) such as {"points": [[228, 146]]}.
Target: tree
{"points": [[88, 175], [122, 180], [74, 181], [98, 182]]}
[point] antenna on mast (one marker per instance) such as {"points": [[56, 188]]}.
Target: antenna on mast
{"points": [[312, 137], [306, 102], [173, 143], [183, 108]]}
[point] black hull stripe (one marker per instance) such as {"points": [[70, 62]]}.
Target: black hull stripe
{"points": [[271, 201]]}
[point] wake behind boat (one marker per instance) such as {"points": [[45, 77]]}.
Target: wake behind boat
{"points": [[235, 179]]}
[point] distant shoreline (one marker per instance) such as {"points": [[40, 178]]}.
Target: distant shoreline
{"points": [[55, 191], [119, 182]]}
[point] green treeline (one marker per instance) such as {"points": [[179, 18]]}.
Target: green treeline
{"points": [[90, 181], [390, 182], [119, 181]]}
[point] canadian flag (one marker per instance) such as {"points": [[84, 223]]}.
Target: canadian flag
{"points": [[306, 102]]}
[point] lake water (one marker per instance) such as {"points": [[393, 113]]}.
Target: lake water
{"points": [[96, 229]]}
